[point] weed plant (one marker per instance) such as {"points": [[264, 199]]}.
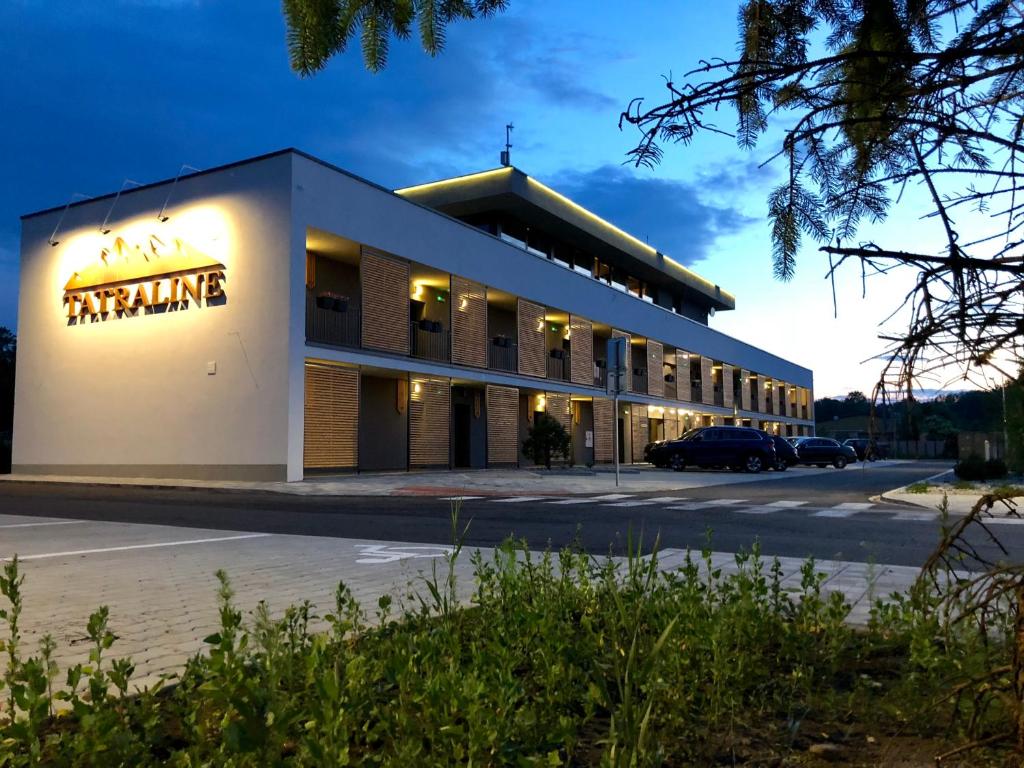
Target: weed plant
{"points": [[559, 659]]}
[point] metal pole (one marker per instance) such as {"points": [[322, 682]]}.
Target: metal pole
{"points": [[615, 428], [1006, 433]]}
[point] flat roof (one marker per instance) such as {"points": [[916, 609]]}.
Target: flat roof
{"points": [[510, 189]]}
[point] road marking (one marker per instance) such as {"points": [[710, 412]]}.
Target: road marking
{"points": [[518, 499], [127, 548], [379, 554], [925, 516], [689, 506], [34, 525], [835, 512], [668, 499], [1004, 520], [635, 503], [459, 498], [786, 504], [761, 510], [854, 505], [591, 499]]}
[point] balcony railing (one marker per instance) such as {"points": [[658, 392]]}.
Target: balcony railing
{"points": [[600, 376], [558, 367], [429, 344], [670, 387], [503, 356], [332, 321], [696, 391], [640, 380]]}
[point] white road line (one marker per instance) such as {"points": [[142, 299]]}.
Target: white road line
{"points": [[762, 510], [854, 505], [786, 504], [127, 548], [635, 503], [925, 516], [1004, 521], [668, 499], [459, 498], [706, 504], [34, 525], [518, 499], [592, 499], [835, 512]]}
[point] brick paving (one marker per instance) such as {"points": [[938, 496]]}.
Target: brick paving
{"points": [[159, 581]]}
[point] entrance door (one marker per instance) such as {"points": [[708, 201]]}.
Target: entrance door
{"points": [[461, 435]]}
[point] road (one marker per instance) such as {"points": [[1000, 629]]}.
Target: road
{"points": [[826, 515]]}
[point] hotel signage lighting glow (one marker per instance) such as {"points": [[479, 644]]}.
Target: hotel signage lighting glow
{"points": [[143, 277]]}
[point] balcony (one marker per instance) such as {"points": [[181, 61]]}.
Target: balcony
{"points": [[558, 365], [696, 391], [670, 386], [600, 374], [640, 380], [429, 341], [332, 320], [503, 354]]}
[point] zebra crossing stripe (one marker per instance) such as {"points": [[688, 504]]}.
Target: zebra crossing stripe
{"points": [[459, 498], [761, 510], [1004, 521], [518, 499], [914, 516], [592, 499], [835, 512], [786, 504], [634, 503], [692, 505]]}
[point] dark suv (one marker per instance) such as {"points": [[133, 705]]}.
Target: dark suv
{"points": [[824, 450], [737, 447]]}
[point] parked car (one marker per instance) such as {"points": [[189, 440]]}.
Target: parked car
{"points": [[824, 450], [785, 453], [866, 449], [750, 450]]}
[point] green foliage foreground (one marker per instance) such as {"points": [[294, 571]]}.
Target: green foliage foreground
{"points": [[560, 660]]}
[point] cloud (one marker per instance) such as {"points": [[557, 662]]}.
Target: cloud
{"points": [[671, 215]]}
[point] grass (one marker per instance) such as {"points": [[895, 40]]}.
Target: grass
{"points": [[963, 485], [1008, 490], [560, 659], [920, 487]]}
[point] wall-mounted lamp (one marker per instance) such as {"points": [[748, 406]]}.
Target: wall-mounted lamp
{"points": [[162, 216], [541, 402], [104, 229], [416, 388], [52, 240], [464, 303], [540, 326], [417, 291]]}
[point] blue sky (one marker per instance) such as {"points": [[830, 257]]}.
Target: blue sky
{"points": [[92, 98]]}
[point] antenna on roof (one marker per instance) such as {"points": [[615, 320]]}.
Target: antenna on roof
{"points": [[506, 155]]}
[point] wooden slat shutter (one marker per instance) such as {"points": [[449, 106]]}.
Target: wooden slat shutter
{"points": [[604, 412], [559, 407], [641, 430], [469, 323], [331, 432], [532, 353], [429, 413], [707, 384], [502, 426], [385, 282], [727, 386], [655, 368], [683, 375], [627, 384], [581, 356], [744, 389]]}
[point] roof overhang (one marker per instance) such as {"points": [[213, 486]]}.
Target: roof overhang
{"points": [[509, 189]]}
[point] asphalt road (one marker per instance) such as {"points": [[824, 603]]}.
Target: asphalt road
{"points": [[884, 533]]}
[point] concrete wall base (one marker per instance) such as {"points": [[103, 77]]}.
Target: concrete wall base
{"points": [[251, 472]]}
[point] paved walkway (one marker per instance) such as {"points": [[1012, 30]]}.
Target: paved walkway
{"points": [[484, 482], [159, 582]]}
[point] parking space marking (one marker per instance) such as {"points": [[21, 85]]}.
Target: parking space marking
{"points": [[129, 547], [36, 525]]}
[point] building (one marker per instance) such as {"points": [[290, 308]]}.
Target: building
{"points": [[278, 317]]}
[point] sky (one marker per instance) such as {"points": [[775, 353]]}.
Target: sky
{"points": [[134, 91]]}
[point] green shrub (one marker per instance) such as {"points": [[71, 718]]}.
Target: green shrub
{"points": [[546, 438], [976, 468], [918, 488], [560, 659]]}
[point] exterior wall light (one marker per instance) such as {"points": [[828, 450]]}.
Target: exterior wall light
{"points": [[52, 239], [162, 216], [104, 229], [416, 388]]}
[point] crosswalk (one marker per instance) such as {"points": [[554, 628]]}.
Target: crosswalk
{"points": [[683, 504]]}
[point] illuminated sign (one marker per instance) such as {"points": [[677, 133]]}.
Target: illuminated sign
{"points": [[143, 278]]}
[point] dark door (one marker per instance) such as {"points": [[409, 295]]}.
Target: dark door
{"points": [[622, 441], [461, 427]]}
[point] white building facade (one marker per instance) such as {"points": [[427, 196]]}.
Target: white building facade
{"points": [[278, 318]]}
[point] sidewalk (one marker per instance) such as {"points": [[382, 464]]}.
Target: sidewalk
{"points": [[482, 482], [960, 500]]}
